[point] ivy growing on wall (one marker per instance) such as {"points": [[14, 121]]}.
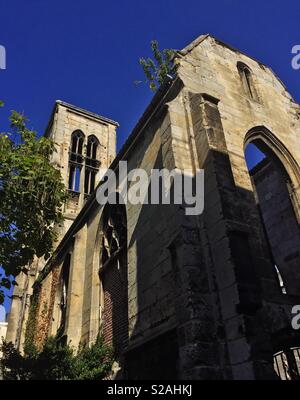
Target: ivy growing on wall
{"points": [[31, 326]]}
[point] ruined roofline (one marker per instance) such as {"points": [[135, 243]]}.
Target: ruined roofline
{"points": [[186, 50], [78, 110], [86, 112], [202, 38]]}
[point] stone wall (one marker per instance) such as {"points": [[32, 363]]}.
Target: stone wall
{"points": [[203, 284]]}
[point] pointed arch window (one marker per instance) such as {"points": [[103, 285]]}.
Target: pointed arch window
{"points": [[247, 80], [75, 160], [91, 149], [113, 274], [91, 164], [114, 233], [77, 140], [273, 178]]}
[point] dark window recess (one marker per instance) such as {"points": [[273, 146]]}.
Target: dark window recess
{"points": [[156, 359], [248, 283], [241, 254]]}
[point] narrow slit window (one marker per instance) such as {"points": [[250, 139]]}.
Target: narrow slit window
{"points": [[247, 80], [75, 160], [91, 164], [74, 178], [77, 180], [89, 181]]}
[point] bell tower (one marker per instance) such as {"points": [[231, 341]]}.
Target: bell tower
{"points": [[85, 142]]}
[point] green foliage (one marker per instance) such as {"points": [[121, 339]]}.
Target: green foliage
{"points": [[31, 197], [54, 362], [157, 69], [57, 362], [12, 363], [31, 324], [87, 365]]}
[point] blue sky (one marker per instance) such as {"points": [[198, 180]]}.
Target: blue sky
{"points": [[86, 52], [2, 313]]}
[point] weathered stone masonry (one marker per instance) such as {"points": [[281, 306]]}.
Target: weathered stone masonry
{"points": [[202, 300]]}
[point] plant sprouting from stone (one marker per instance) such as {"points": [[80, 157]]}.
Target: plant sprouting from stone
{"points": [[157, 69]]}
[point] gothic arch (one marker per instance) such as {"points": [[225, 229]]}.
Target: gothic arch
{"points": [[92, 147], [269, 144], [275, 182], [76, 161], [59, 314], [77, 141], [99, 235], [92, 164], [246, 76], [113, 270]]}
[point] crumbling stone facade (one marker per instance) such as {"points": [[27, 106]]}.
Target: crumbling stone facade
{"points": [[202, 300]]}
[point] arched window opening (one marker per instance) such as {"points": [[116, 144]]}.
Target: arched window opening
{"points": [[64, 285], [91, 164], [91, 150], [247, 80], [89, 180], [113, 274], [272, 189], [75, 161], [77, 140]]}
